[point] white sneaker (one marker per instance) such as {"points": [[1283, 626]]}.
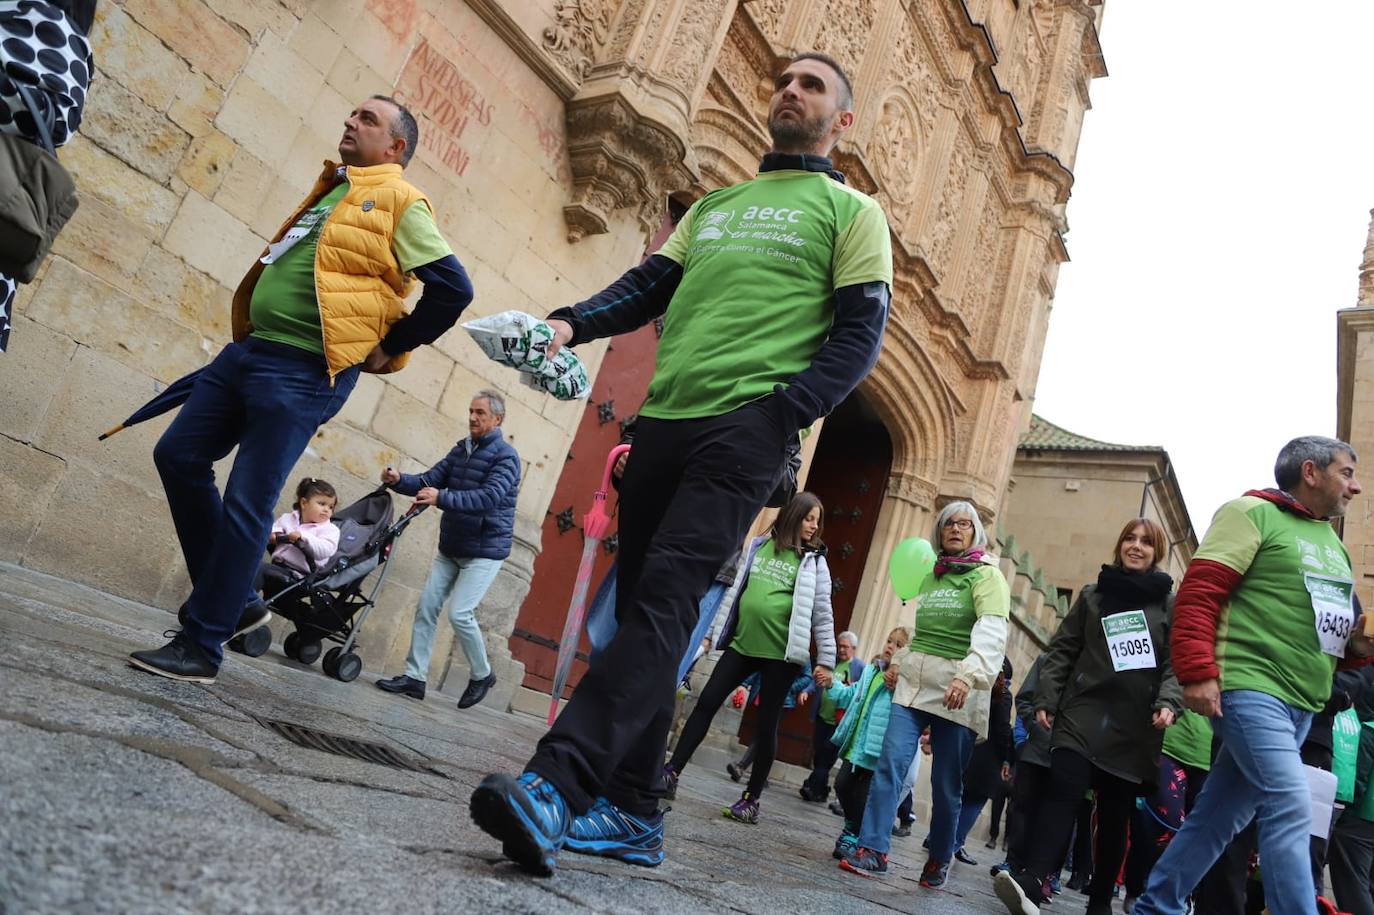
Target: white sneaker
{"points": [[1013, 897]]}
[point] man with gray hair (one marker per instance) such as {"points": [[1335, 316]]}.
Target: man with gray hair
{"points": [[848, 669], [1265, 614], [475, 486]]}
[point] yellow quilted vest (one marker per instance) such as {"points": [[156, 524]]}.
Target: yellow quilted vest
{"points": [[359, 285]]}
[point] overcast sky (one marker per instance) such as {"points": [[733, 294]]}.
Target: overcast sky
{"points": [[1220, 208]]}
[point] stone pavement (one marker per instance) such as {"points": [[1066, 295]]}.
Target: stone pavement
{"points": [[124, 792]]}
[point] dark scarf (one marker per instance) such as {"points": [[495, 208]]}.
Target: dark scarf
{"points": [[964, 562], [774, 161], [1123, 590], [1285, 501]]}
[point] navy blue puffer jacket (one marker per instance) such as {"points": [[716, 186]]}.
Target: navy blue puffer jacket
{"points": [[477, 494]]}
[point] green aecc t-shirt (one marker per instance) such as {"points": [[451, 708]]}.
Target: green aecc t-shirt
{"points": [[765, 608], [842, 675], [1190, 741], [284, 307], [1267, 637], [761, 262], [947, 607]]}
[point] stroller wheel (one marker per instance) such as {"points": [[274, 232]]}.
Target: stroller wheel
{"points": [[255, 643], [331, 660], [291, 646], [348, 667], [309, 652]]}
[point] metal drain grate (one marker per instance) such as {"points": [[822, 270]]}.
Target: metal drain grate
{"points": [[367, 751]]}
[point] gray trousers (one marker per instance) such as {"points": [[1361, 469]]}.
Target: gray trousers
{"points": [[1351, 858]]}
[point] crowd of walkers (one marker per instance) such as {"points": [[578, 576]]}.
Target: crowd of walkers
{"points": [[1162, 743]]}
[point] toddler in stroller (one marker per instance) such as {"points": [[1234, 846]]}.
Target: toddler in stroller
{"points": [[323, 597]]}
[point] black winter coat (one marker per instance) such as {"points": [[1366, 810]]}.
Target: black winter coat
{"points": [[1101, 713], [477, 495]]}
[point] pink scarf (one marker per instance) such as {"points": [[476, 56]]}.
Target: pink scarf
{"points": [[961, 563]]}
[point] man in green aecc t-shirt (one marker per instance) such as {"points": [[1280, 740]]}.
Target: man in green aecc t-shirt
{"points": [[774, 296], [1265, 612]]}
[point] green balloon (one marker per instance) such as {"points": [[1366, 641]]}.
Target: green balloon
{"points": [[909, 566]]}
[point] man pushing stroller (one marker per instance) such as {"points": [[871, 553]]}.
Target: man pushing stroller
{"points": [[475, 486]]}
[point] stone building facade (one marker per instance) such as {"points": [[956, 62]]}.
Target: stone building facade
{"points": [[558, 136], [1068, 499], [1355, 413]]}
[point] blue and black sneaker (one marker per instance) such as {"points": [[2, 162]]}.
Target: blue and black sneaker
{"points": [[527, 814], [608, 831]]}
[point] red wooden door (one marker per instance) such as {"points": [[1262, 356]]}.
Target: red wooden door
{"points": [[849, 474], [619, 389]]}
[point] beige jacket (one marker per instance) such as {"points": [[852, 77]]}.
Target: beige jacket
{"points": [[922, 679]]}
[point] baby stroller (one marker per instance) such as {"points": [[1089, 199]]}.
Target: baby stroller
{"points": [[328, 602]]}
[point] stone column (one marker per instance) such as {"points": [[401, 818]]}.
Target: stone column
{"points": [[1367, 268], [907, 510], [642, 72]]}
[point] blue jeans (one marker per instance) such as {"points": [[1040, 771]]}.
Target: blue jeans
{"points": [[467, 580], [267, 399], [602, 625], [969, 812], [951, 745], [1258, 773]]}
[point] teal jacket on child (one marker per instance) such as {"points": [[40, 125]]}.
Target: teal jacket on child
{"points": [[866, 745]]}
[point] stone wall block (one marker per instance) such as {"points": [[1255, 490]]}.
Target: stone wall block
{"points": [[126, 553], [139, 135], [256, 118], [196, 104], [29, 375], [95, 394], [105, 177], [413, 428], [212, 241], [425, 376], [277, 204], [192, 29], [245, 188], [26, 487], [340, 445], [206, 163], [361, 405], [95, 313], [292, 78], [256, 17], [354, 79], [127, 53], [324, 119], [100, 239], [316, 42]]}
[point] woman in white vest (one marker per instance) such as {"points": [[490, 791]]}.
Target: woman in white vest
{"points": [[779, 601], [942, 681]]}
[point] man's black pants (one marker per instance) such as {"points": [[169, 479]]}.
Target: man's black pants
{"points": [[691, 489], [823, 756]]}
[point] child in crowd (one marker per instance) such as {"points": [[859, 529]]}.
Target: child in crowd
{"points": [[859, 735], [779, 602], [307, 528]]}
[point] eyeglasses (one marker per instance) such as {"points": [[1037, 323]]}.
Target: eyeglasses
{"points": [[959, 524]]}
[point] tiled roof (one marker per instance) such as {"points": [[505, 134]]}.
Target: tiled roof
{"points": [[1046, 436]]}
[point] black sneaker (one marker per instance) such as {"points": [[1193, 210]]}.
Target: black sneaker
{"points": [[902, 830], [836, 809], [254, 615], [965, 857], [180, 659], [404, 685], [477, 691]]}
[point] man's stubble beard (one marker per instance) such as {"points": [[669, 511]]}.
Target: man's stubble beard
{"points": [[804, 134]]}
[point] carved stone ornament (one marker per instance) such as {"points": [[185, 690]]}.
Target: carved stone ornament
{"points": [[580, 29], [621, 159]]}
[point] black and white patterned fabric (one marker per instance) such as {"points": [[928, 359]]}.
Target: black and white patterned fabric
{"points": [[39, 48]]}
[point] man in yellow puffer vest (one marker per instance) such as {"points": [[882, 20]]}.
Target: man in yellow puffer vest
{"points": [[324, 302]]}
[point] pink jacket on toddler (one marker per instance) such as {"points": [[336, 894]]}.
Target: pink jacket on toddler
{"points": [[320, 538]]}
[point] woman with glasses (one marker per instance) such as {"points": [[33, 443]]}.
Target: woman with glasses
{"points": [[942, 681], [1107, 691]]}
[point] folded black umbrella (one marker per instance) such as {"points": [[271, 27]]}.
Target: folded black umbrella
{"points": [[169, 398]]}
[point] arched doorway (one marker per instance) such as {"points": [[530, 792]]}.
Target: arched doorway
{"points": [[849, 473]]}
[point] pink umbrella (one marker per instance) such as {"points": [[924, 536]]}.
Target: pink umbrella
{"points": [[595, 525]]}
